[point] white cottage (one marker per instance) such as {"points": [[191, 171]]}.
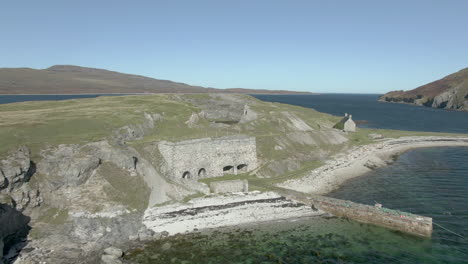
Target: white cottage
{"points": [[346, 124]]}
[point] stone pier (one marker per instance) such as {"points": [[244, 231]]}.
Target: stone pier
{"points": [[392, 219]]}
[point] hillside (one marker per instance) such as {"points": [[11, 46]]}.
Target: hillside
{"points": [[68, 79], [450, 92], [78, 175]]}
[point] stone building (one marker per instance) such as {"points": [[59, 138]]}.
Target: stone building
{"points": [[207, 157], [346, 124]]}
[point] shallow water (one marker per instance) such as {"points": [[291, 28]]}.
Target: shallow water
{"points": [[314, 240], [431, 182]]}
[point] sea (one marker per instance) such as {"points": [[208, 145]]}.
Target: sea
{"points": [[430, 181]]}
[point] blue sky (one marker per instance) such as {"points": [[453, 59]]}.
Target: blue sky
{"points": [[320, 46]]}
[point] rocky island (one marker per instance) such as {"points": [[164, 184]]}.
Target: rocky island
{"points": [[450, 92]]}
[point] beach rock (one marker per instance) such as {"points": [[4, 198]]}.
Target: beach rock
{"points": [[133, 237], [110, 259], [113, 251], [145, 234], [374, 163], [166, 246], [375, 136]]}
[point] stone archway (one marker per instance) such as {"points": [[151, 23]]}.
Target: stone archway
{"points": [[186, 175], [228, 169], [241, 168], [202, 173]]}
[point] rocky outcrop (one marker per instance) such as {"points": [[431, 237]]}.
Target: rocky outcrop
{"points": [[16, 169], [67, 165], [136, 131], [450, 92], [295, 123], [112, 255], [14, 229], [15, 172], [83, 198]]}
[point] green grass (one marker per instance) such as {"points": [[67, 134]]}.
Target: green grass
{"points": [[41, 124], [54, 216], [128, 190]]}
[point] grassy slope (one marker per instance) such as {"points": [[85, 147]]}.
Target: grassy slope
{"points": [[39, 124]]}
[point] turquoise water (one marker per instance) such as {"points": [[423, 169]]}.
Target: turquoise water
{"points": [[431, 182], [314, 240]]}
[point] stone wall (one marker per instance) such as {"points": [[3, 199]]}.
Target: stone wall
{"points": [[207, 157], [392, 219], [230, 186]]}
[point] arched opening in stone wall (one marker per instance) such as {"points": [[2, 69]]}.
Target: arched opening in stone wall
{"points": [[202, 173], [186, 175], [135, 161], [241, 168], [228, 170]]}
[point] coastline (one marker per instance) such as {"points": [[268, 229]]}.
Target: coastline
{"points": [[226, 210], [254, 207], [363, 159]]}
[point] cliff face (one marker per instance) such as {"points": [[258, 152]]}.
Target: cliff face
{"points": [[450, 92], [76, 176]]}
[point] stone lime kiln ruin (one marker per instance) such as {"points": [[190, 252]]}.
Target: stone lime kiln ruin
{"points": [[207, 157]]}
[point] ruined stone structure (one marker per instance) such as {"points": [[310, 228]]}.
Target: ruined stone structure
{"points": [[229, 186], [207, 157]]}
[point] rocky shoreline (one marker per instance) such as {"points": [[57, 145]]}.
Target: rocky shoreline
{"points": [[363, 159], [224, 210], [127, 230]]}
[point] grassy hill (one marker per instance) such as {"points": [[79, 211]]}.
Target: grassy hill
{"points": [[67, 79], [450, 92]]}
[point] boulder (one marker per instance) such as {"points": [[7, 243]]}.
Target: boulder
{"points": [[110, 259], [113, 251], [375, 136], [16, 169]]}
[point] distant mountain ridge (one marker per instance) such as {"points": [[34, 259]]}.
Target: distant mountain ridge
{"points": [[450, 92], [70, 79]]}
